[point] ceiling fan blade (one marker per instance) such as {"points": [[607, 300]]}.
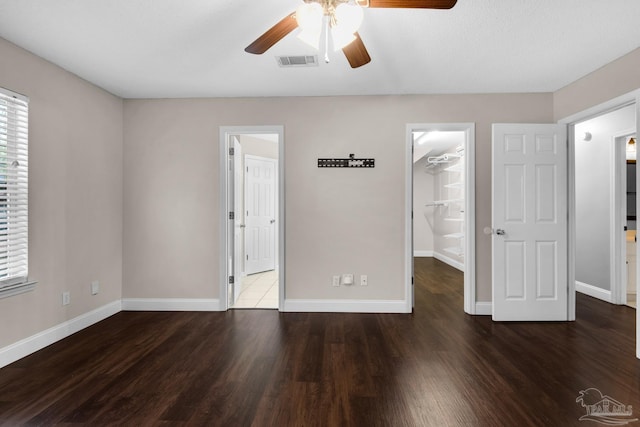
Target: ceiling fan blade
{"points": [[410, 4], [356, 53], [273, 35]]}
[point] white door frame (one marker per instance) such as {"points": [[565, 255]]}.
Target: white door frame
{"points": [[618, 242], [469, 209], [613, 104], [238, 259], [223, 164]]}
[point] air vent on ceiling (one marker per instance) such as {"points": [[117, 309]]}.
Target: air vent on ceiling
{"points": [[297, 61]]}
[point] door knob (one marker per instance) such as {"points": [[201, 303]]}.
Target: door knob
{"points": [[272, 221], [498, 231]]}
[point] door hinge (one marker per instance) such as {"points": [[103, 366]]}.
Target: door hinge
{"points": [[412, 280], [231, 151], [232, 215], [231, 279]]}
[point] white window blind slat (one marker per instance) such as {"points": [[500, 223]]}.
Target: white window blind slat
{"points": [[13, 265], [14, 217]]}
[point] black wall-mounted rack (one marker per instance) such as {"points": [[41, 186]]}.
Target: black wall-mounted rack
{"points": [[350, 162]]}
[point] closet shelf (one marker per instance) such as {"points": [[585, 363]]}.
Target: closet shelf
{"points": [[454, 236], [446, 201], [455, 168], [454, 219], [455, 251], [457, 185]]}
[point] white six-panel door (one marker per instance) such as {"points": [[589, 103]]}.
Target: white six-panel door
{"points": [[529, 221], [260, 211]]}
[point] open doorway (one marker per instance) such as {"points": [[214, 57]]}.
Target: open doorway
{"points": [[438, 196], [252, 195], [605, 204], [631, 99], [255, 221], [443, 202]]}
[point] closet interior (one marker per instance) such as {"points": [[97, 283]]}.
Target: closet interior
{"points": [[439, 167]]}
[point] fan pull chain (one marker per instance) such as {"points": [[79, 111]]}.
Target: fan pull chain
{"points": [[326, 42]]}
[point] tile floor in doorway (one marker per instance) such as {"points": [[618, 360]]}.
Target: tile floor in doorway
{"points": [[259, 291]]}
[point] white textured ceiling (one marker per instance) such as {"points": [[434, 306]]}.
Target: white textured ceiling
{"points": [[195, 48]]}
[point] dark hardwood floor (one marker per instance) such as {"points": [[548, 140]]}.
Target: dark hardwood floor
{"points": [[436, 367]]}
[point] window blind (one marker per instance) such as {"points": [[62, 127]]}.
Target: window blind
{"points": [[14, 131]]}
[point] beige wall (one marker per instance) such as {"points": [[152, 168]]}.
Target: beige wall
{"points": [[338, 220], [75, 194], [614, 79]]}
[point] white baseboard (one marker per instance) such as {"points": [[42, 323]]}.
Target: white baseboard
{"points": [[452, 262], [427, 254], [170, 304], [345, 306], [594, 291], [483, 308], [25, 347]]}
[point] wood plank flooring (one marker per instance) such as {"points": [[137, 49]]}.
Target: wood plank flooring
{"points": [[436, 367]]}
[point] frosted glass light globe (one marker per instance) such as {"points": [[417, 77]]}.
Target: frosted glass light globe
{"points": [[349, 17], [309, 16]]}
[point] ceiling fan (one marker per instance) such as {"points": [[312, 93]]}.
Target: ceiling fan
{"points": [[341, 18]]}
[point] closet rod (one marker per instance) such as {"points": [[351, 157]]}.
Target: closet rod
{"points": [[443, 158]]}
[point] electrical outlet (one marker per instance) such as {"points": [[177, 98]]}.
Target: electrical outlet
{"points": [[95, 287], [363, 280], [347, 279], [66, 298], [336, 281]]}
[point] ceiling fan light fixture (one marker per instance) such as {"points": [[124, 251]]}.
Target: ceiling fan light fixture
{"points": [[349, 17], [309, 16], [343, 16], [341, 38]]}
